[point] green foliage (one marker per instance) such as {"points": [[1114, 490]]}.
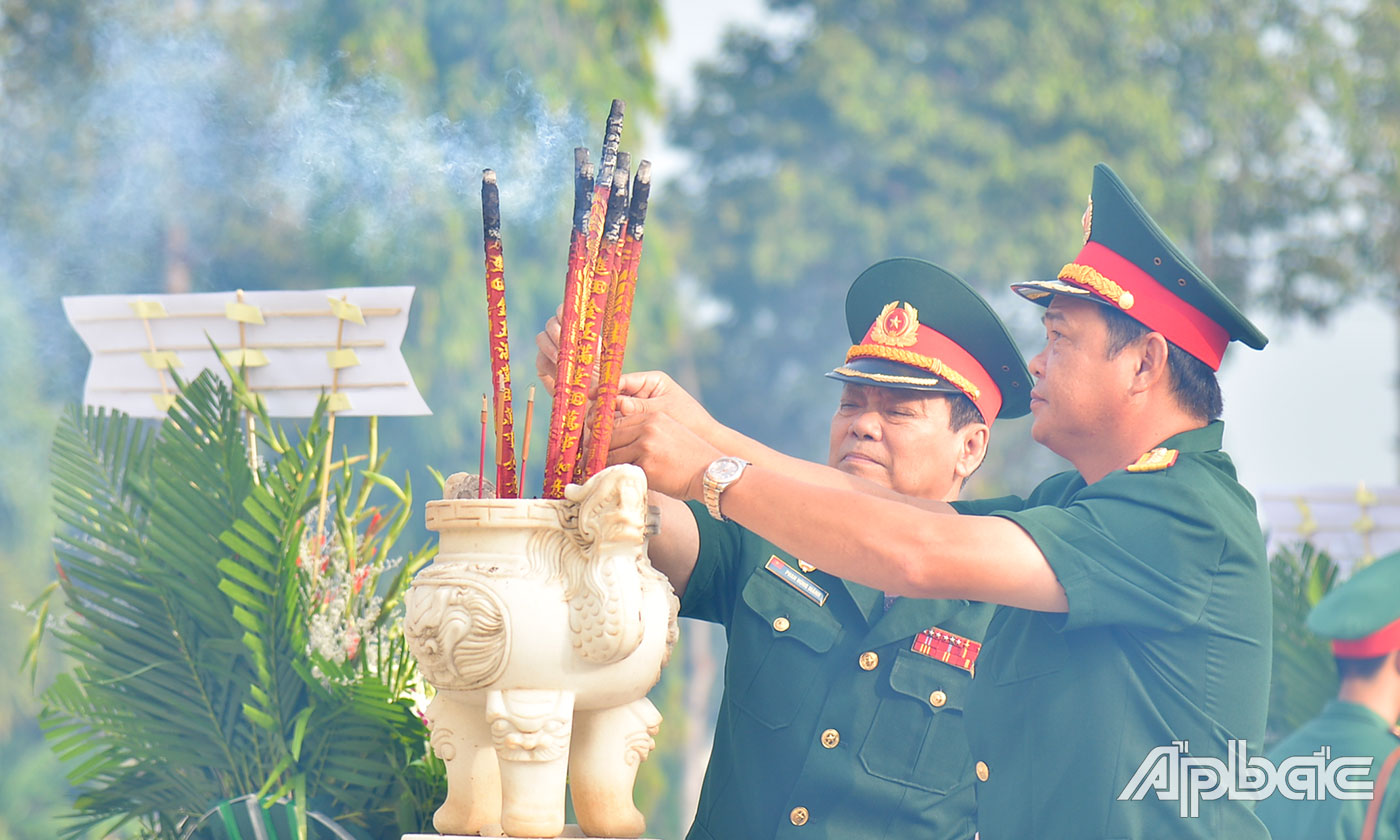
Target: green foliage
{"points": [[220, 644], [965, 133], [155, 148], [1343, 242], [1304, 676]]}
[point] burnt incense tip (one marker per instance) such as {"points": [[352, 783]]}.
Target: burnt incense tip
{"points": [[637, 208], [612, 138], [617, 206], [580, 158], [583, 196], [624, 160], [490, 205]]}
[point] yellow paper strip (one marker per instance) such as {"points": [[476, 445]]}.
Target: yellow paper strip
{"points": [[247, 357], [343, 358], [245, 312], [338, 402], [346, 311], [162, 359], [148, 309], [163, 401]]}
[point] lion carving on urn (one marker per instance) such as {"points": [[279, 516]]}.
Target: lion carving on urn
{"points": [[542, 625]]}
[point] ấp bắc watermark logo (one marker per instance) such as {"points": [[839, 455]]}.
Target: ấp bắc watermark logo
{"points": [[1174, 775]]}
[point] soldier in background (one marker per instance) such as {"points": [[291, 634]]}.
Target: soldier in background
{"points": [[1362, 618]]}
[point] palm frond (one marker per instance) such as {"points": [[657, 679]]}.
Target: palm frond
{"points": [[193, 677], [1304, 675]]}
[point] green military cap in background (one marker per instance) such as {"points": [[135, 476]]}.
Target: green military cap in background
{"points": [[1130, 264], [1362, 614], [920, 327]]}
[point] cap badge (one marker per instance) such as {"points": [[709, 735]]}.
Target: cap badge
{"points": [[1088, 220], [897, 325]]}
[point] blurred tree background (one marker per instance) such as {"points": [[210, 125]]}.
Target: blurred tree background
{"points": [[216, 144]]}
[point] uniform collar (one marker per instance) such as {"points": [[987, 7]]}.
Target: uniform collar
{"points": [[870, 602], [1208, 438], [1356, 712], [905, 618]]}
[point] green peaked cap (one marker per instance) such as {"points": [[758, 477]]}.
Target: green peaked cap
{"points": [[1129, 263], [1362, 614], [953, 343]]}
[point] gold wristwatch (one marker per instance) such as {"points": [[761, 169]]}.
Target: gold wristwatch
{"points": [[721, 473]]}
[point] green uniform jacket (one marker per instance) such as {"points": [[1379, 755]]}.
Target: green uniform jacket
{"points": [[1350, 730], [1167, 638], [834, 713]]}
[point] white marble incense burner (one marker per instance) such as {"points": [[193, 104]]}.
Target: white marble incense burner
{"points": [[542, 625]]}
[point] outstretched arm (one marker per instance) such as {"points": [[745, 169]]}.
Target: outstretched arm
{"points": [[878, 542], [676, 547], [655, 392]]}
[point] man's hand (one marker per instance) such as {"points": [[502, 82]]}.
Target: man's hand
{"points": [[673, 457], [654, 392], [547, 359]]}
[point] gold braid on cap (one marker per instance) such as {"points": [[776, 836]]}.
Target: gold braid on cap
{"points": [[1089, 276], [918, 360]]}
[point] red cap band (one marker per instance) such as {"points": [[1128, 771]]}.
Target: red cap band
{"points": [[1149, 302], [1379, 643], [938, 354]]}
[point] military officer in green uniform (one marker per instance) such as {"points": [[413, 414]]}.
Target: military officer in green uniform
{"points": [[1362, 618], [842, 710], [1136, 588]]}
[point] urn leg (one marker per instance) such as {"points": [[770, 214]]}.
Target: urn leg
{"points": [[462, 738], [531, 729], [609, 746]]}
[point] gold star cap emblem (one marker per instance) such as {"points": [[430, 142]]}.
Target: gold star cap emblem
{"points": [[897, 325], [1088, 220]]}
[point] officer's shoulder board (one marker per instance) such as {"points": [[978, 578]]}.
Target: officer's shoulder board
{"points": [[1155, 460]]}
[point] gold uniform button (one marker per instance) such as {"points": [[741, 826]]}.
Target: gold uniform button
{"points": [[799, 816], [982, 771], [830, 738], [781, 624], [937, 699], [869, 660]]}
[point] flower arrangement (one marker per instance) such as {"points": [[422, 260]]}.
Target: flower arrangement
{"points": [[233, 626]]}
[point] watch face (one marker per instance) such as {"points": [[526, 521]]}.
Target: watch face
{"points": [[725, 469]]}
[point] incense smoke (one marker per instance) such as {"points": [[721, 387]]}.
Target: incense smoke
{"points": [[175, 127]]}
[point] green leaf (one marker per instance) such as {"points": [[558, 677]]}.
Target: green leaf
{"points": [[299, 730], [242, 575], [260, 717], [385, 481]]}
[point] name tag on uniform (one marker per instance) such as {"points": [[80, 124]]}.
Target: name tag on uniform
{"points": [[951, 648], [796, 580]]}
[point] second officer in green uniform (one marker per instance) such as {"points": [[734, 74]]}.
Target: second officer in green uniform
{"points": [[842, 712], [842, 709]]}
